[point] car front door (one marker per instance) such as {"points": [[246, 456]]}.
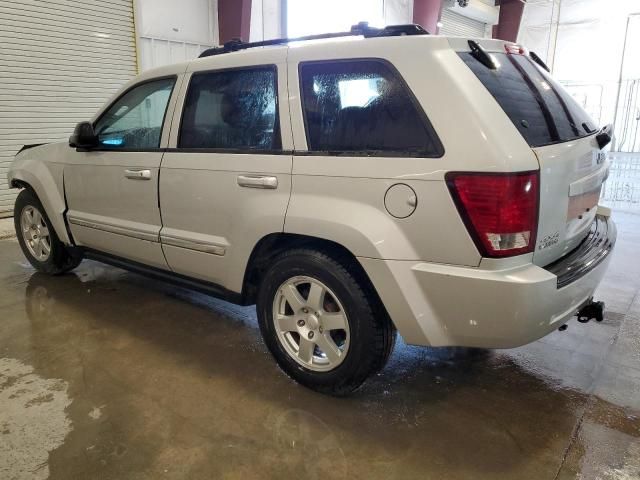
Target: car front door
{"points": [[226, 182], [112, 190]]}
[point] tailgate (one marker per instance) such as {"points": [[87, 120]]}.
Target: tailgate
{"points": [[571, 176], [560, 133]]}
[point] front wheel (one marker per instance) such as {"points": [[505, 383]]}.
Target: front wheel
{"points": [[322, 324], [38, 239]]}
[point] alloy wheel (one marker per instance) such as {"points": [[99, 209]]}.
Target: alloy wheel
{"points": [[311, 324]]}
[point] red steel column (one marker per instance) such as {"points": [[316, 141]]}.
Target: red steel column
{"points": [[509, 21], [427, 13], [234, 19]]}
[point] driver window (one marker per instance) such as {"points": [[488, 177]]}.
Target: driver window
{"points": [[135, 119]]}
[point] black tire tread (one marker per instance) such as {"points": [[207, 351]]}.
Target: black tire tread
{"points": [[61, 260], [362, 293]]}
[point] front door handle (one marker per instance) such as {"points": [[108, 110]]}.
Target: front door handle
{"points": [[258, 181], [138, 174]]}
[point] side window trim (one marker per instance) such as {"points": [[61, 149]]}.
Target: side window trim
{"points": [[163, 126], [439, 148], [181, 109]]}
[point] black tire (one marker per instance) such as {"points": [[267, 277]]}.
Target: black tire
{"points": [[60, 259], [372, 334]]}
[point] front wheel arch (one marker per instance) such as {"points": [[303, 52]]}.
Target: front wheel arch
{"points": [[60, 258]]}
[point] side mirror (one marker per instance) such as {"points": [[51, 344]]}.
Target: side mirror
{"points": [[83, 136]]}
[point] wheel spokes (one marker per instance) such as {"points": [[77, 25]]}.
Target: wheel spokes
{"points": [[46, 247], [286, 323], [311, 323], [35, 233], [315, 298], [37, 248], [305, 350], [36, 217], [334, 321], [329, 347], [293, 297]]}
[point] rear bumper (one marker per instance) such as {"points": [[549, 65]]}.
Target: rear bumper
{"points": [[588, 255], [443, 305]]}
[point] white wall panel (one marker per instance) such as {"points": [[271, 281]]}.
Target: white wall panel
{"points": [[172, 31], [59, 62], [155, 52], [267, 16], [398, 12]]}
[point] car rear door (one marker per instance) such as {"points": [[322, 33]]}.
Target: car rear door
{"points": [[226, 180], [112, 190]]}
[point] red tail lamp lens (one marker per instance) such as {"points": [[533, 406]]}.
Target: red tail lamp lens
{"points": [[499, 210]]}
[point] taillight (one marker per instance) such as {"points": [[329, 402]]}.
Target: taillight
{"points": [[499, 210]]}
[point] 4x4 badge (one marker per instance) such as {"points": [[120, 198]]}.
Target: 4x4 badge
{"points": [[549, 241]]}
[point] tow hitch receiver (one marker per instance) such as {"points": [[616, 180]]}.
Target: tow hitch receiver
{"points": [[591, 311]]}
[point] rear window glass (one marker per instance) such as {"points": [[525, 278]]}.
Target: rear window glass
{"points": [[542, 111], [363, 106]]}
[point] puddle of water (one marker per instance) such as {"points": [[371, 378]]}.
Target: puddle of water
{"points": [[33, 421]]}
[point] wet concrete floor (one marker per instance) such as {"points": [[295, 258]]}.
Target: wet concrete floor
{"points": [[108, 375]]}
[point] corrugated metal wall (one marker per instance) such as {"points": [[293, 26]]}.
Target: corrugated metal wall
{"points": [[456, 24], [59, 61]]}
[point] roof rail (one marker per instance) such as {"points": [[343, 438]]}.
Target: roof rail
{"points": [[361, 29]]}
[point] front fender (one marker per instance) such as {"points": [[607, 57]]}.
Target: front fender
{"points": [[37, 169]]}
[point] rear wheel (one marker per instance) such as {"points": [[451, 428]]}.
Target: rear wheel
{"points": [[38, 239], [321, 323]]}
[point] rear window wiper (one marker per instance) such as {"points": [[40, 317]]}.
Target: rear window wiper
{"points": [[588, 127], [481, 55]]}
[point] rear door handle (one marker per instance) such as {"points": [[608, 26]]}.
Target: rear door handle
{"points": [[258, 181], [138, 174]]}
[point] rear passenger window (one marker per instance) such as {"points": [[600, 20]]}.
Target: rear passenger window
{"points": [[231, 109], [363, 106]]}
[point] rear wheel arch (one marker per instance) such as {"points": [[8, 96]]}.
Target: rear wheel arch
{"points": [[274, 244]]}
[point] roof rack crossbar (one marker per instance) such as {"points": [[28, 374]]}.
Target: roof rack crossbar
{"points": [[361, 29]]}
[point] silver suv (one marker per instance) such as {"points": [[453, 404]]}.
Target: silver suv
{"points": [[444, 187]]}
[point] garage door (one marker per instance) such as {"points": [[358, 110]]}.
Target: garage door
{"points": [[455, 24], [59, 61]]}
